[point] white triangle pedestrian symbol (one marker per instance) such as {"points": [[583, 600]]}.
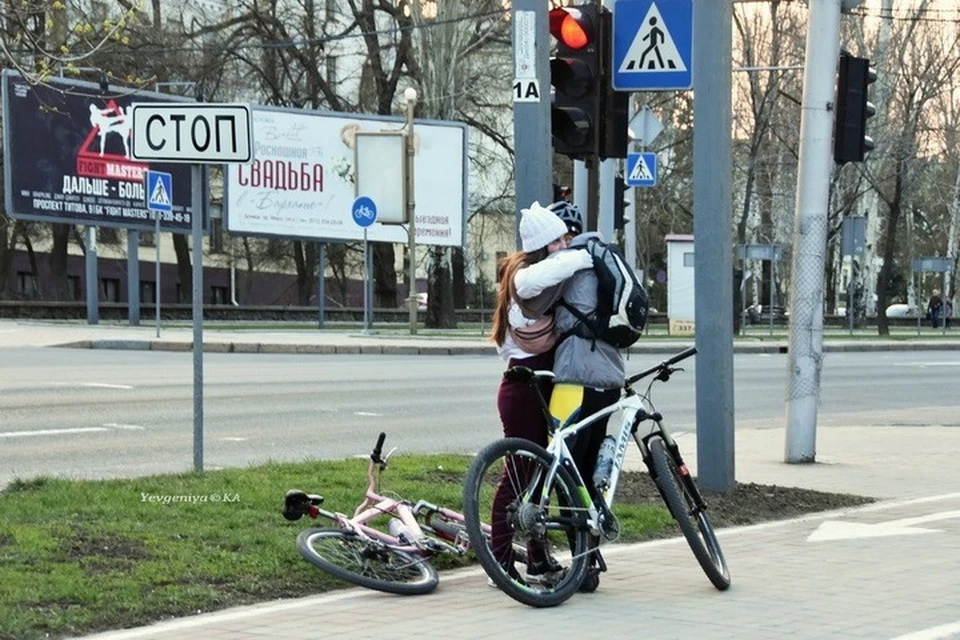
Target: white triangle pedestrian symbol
{"points": [[653, 49], [159, 195], [640, 171]]}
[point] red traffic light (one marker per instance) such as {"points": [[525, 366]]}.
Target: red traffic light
{"points": [[572, 27]]}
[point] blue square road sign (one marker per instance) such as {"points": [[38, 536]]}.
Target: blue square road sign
{"points": [[652, 45], [159, 191], [641, 170]]}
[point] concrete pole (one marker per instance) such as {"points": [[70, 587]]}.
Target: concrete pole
{"points": [[531, 120], [608, 187], [713, 266], [410, 96], [93, 286], [580, 185], [196, 236], [810, 230], [133, 277]]}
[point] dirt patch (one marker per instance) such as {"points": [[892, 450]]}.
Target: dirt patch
{"points": [[84, 544], [747, 503]]}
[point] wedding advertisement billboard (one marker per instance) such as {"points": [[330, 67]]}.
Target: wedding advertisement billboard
{"points": [[301, 181]]}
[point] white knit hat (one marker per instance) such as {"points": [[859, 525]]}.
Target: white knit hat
{"points": [[539, 227]]}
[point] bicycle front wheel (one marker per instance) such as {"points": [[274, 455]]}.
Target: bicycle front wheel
{"points": [[367, 563], [693, 521], [509, 484]]}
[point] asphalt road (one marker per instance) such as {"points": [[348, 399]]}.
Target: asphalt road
{"points": [[92, 413]]}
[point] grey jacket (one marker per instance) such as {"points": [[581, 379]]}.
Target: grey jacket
{"points": [[581, 360]]}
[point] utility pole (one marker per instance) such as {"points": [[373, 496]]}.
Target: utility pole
{"points": [[531, 107], [810, 230], [713, 270]]}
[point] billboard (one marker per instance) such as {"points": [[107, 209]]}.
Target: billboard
{"points": [[66, 146], [301, 182]]}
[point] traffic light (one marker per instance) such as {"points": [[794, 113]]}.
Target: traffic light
{"points": [[850, 141], [575, 76], [620, 203]]}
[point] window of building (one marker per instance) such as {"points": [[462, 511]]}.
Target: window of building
{"points": [[147, 239], [219, 295], [216, 235], [108, 235], [332, 76], [73, 287], [331, 9], [110, 289], [26, 284], [148, 291], [688, 259]]}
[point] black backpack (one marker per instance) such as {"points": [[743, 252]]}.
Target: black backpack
{"points": [[622, 303]]}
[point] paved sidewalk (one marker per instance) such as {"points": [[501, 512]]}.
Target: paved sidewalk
{"points": [[884, 571]]}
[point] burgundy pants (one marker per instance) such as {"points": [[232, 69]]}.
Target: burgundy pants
{"points": [[522, 417]]}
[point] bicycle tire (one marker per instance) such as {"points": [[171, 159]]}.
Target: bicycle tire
{"points": [[366, 563], [484, 480], [697, 530]]}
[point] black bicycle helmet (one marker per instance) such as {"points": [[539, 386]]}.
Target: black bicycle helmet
{"points": [[570, 214]]}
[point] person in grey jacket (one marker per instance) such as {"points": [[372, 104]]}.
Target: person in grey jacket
{"points": [[581, 359]]}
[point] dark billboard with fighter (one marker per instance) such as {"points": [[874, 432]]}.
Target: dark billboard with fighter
{"points": [[67, 157]]}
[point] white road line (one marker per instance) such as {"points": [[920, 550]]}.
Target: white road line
{"points": [[104, 385], [50, 432], [125, 427], [234, 439], [933, 633], [368, 414]]}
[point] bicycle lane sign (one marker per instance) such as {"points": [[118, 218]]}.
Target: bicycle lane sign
{"points": [[364, 211]]}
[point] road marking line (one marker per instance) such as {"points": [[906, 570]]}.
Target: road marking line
{"points": [[105, 385], [126, 427], [933, 633], [50, 432], [234, 439], [368, 414]]}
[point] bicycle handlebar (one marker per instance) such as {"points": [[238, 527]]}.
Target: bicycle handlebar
{"points": [[672, 360], [378, 448]]}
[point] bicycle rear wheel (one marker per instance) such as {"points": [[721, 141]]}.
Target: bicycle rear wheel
{"points": [[367, 563], [508, 484], [693, 521]]}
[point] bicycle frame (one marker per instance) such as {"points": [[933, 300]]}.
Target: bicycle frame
{"points": [[634, 412], [375, 505]]}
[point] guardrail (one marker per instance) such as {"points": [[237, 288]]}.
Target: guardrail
{"points": [[47, 310]]}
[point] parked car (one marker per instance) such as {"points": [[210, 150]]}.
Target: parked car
{"points": [[900, 310]]}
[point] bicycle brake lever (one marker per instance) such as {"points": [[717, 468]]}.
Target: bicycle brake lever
{"points": [[387, 457]]}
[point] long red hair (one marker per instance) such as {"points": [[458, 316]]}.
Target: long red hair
{"points": [[507, 291]]}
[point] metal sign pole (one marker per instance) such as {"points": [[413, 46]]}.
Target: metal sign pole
{"points": [[366, 284], [156, 286], [196, 222]]}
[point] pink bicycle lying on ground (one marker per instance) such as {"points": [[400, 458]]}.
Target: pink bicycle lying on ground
{"points": [[395, 561]]}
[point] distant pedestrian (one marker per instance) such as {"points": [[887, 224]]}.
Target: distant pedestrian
{"points": [[935, 309]]}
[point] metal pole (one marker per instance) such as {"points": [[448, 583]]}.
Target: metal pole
{"points": [[608, 187], [366, 284], [410, 94], [133, 277], [580, 185], [531, 120], [713, 266], [156, 286], [810, 230], [93, 288], [772, 267], [321, 282], [196, 222], [850, 296]]}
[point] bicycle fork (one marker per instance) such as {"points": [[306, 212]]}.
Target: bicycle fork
{"points": [[673, 450]]}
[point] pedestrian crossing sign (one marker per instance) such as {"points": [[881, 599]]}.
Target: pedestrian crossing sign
{"points": [[641, 170], [652, 45], [159, 191]]}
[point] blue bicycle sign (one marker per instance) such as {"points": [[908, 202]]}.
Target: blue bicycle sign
{"points": [[364, 211]]}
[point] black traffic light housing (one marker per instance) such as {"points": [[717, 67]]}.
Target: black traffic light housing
{"points": [[620, 203], [850, 141], [588, 118]]}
